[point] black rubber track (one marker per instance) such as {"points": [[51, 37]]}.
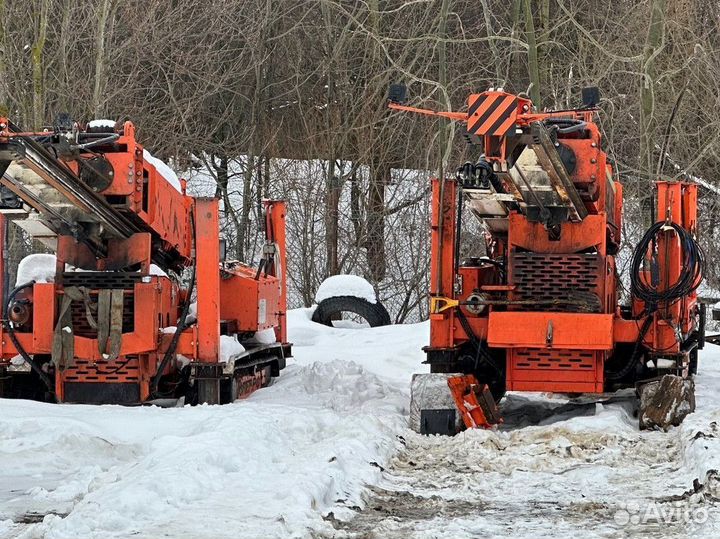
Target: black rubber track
{"points": [[374, 313]]}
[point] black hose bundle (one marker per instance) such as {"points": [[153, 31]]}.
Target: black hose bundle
{"points": [[693, 265], [181, 324], [36, 367], [614, 376]]}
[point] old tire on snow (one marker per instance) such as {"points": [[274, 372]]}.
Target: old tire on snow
{"points": [[374, 313]]}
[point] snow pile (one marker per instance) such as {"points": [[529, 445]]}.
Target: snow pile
{"points": [[157, 271], [265, 336], [229, 347], [41, 269], [38, 267], [268, 466], [163, 169], [345, 285]]}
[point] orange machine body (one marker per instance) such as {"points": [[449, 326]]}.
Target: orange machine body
{"points": [[106, 329], [539, 309]]}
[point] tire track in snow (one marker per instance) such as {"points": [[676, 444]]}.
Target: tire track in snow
{"points": [[584, 470]]}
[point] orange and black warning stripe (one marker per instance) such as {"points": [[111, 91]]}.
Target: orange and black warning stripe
{"points": [[492, 113]]}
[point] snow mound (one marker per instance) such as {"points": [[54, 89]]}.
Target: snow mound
{"points": [[38, 267], [345, 285], [229, 347], [163, 169], [275, 464], [157, 271], [265, 336], [270, 466]]}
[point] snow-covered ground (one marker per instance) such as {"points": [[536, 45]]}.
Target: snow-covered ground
{"points": [[269, 466], [325, 452]]}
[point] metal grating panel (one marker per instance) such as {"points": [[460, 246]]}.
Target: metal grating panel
{"points": [[540, 358], [101, 279], [123, 369], [559, 282]]}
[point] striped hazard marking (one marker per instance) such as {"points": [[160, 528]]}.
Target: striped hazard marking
{"points": [[492, 113]]}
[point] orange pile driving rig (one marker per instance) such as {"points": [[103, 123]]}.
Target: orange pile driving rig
{"points": [[538, 309], [116, 324]]}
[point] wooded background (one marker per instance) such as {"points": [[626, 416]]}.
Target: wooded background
{"points": [[287, 98]]}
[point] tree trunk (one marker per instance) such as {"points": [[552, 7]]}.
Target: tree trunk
{"points": [[648, 122], [533, 66], [446, 131], [333, 185], [379, 177], [375, 243], [244, 224], [38, 75], [221, 191], [98, 104], [332, 217], [514, 54]]}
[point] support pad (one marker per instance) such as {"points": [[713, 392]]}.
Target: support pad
{"points": [[446, 403], [666, 402], [430, 404]]}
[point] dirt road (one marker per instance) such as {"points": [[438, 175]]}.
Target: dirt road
{"points": [[582, 470]]}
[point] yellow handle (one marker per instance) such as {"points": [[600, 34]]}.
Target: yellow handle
{"points": [[439, 304]]}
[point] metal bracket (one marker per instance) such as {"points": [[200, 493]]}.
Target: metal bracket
{"points": [[439, 304]]}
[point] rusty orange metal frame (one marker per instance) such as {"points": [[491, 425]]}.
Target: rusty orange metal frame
{"points": [[243, 300], [550, 351]]}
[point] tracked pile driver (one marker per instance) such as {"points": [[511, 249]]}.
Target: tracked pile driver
{"points": [[118, 323], [538, 309]]}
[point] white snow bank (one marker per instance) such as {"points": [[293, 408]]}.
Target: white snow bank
{"points": [[268, 466], [38, 267], [392, 353], [163, 169], [273, 464], [345, 285], [701, 430]]}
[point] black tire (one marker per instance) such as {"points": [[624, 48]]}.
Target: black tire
{"points": [[374, 313]]}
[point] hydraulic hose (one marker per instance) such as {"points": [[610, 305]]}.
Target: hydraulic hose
{"points": [[181, 326], [566, 125], [693, 265], [630, 365], [16, 342], [691, 273]]}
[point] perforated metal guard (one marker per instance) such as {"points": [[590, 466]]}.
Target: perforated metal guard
{"points": [[573, 282], [550, 369], [123, 369], [536, 358], [101, 279]]}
